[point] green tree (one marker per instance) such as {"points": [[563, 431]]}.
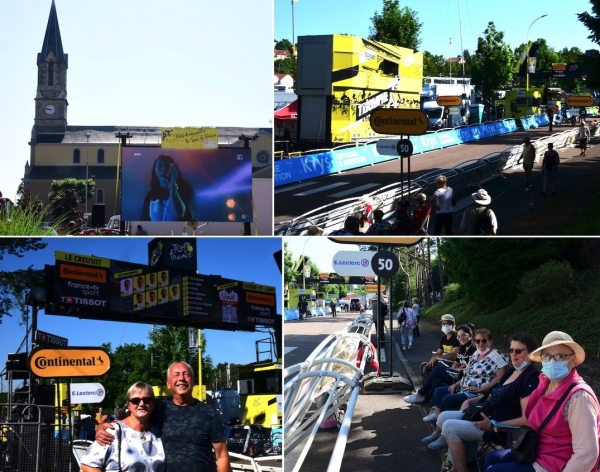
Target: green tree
{"points": [[170, 344], [434, 66], [65, 205], [289, 268], [78, 185], [396, 26], [14, 284], [284, 66], [468, 262], [284, 45], [492, 65], [591, 20]]}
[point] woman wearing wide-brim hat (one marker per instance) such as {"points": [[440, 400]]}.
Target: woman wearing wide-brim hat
{"points": [[569, 441]]}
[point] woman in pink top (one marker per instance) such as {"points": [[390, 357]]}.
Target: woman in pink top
{"points": [[569, 441]]}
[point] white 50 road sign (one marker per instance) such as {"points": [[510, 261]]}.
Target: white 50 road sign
{"points": [[353, 262]]}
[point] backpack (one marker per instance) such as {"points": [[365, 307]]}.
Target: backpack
{"points": [[484, 223]]}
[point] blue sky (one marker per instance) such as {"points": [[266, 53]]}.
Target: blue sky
{"points": [[138, 63], [441, 22], [247, 259]]}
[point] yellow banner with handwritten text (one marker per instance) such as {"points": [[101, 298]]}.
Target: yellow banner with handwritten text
{"points": [[190, 138]]}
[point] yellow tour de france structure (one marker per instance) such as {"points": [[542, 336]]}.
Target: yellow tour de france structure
{"points": [[342, 79]]}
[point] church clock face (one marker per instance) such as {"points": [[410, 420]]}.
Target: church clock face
{"points": [[49, 109]]}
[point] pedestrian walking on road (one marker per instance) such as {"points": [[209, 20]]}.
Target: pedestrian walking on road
{"points": [[550, 168], [528, 158], [584, 137], [332, 306], [407, 320]]}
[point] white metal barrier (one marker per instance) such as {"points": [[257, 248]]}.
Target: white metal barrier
{"points": [[318, 387]]}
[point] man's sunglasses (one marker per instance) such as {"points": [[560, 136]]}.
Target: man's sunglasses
{"points": [[136, 400]]}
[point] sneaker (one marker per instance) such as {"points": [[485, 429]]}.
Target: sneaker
{"points": [[410, 344], [414, 398], [404, 348], [432, 416], [439, 443], [431, 438]]}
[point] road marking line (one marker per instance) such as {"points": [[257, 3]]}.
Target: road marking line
{"points": [[287, 349], [320, 189], [352, 190], [294, 187]]}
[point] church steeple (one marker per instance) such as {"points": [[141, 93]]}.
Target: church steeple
{"points": [[52, 41], [51, 96]]}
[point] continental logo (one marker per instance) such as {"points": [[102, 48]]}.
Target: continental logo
{"points": [[69, 362], [89, 274], [581, 101], [80, 259], [259, 298], [449, 101], [399, 121], [258, 287]]}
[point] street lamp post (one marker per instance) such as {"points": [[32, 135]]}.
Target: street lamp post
{"points": [[87, 160], [527, 53], [304, 276]]}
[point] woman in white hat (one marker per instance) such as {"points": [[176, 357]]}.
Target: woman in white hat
{"points": [[569, 441], [480, 219]]}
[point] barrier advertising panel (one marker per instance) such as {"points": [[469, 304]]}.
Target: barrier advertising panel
{"points": [[187, 184]]}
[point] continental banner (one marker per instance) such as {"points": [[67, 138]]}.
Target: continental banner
{"points": [[190, 138]]}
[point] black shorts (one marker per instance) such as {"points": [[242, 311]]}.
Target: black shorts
{"points": [[583, 143]]}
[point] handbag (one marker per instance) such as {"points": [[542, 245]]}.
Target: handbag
{"points": [[524, 443], [473, 412]]}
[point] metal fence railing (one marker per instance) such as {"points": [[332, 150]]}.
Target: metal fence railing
{"points": [[325, 383]]}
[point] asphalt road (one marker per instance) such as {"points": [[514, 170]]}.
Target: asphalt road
{"points": [[298, 198], [386, 432]]}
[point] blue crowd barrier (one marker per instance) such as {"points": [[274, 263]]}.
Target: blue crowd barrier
{"points": [[292, 170]]}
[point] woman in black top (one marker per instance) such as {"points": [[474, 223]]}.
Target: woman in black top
{"points": [[442, 374]]}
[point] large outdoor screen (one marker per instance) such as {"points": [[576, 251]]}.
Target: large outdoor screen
{"points": [[186, 184]]}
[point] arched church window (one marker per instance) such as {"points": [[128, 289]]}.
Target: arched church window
{"points": [[51, 73]]}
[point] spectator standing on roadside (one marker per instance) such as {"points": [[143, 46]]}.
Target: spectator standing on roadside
{"points": [[550, 168], [416, 308], [528, 158], [584, 137], [379, 226], [443, 201], [480, 220]]}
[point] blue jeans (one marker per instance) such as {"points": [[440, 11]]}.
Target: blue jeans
{"points": [[438, 378], [504, 461], [444, 400]]}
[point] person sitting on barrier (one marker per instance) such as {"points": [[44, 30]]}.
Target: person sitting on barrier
{"points": [[402, 222], [569, 440], [443, 201], [379, 225], [442, 375], [350, 228], [447, 352], [508, 401], [421, 212], [484, 370]]}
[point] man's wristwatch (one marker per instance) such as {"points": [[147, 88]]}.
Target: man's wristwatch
{"points": [[494, 428]]}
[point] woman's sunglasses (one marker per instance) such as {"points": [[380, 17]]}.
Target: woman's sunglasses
{"points": [[482, 341], [136, 400], [516, 351]]}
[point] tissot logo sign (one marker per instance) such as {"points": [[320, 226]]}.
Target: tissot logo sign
{"points": [[353, 263], [69, 362]]}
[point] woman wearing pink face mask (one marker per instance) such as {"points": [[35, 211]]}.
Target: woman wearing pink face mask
{"points": [[484, 370]]}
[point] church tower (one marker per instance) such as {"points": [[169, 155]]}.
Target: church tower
{"points": [[51, 96]]}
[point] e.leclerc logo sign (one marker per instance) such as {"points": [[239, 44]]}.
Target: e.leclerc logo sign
{"points": [[353, 263], [69, 362]]}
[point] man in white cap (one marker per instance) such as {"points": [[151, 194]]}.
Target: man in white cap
{"points": [[481, 219]]}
